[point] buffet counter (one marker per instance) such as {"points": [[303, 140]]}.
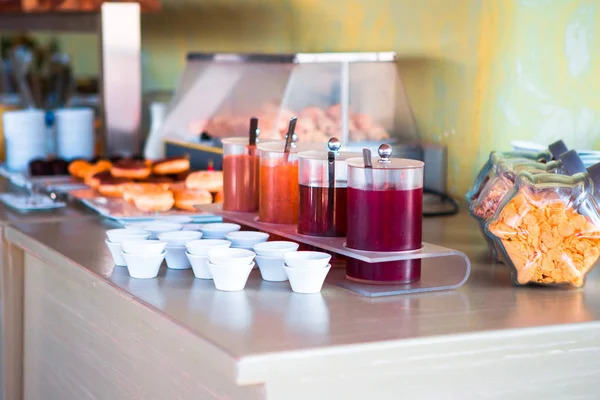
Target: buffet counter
{"points": [[11, 286], [93, 332]]}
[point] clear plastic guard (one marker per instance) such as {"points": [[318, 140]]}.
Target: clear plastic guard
{"points": [[441, 268]]}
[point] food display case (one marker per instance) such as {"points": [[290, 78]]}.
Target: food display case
{"points": [[356, 97]]}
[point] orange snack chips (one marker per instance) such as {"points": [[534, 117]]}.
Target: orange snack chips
{"points": [[546, 240]]}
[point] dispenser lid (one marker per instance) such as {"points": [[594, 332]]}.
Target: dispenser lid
{"points": [[277, 146], [571, 162], [557, 148], [333, 145], [385, 160]]}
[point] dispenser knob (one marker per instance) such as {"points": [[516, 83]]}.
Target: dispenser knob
{"points": [[385, 152], [334, 144]]}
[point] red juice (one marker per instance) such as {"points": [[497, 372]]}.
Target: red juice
{"points": [[385, 220], [316, 218]]}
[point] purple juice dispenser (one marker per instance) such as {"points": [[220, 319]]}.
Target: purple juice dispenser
{"points": [[323, 176], [385, 204]]}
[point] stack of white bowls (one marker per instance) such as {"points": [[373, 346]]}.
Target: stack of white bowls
{"points": [[75, 133], [230, 268], [176, 250], [269, 257], [306, 270], [25, 136], [115, 238], [197, 254], [144, 257]]}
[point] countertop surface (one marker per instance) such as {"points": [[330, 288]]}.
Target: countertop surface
{"points": [[267, 318]]}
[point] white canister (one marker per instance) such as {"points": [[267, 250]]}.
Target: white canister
{"points": [[75, 133], [25, 137]]}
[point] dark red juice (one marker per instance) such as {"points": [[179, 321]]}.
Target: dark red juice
{"points": [[316, 217], [385, 220]]}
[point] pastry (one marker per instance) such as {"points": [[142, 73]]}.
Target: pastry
{"points": [[79, 168], [171, 166], [156, 201], [208, 180], [218, 197], [188, 199], [95, 179], [132, 169], [111, 187], [130, 190]]}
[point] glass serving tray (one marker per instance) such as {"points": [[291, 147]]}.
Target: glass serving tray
{"points": [[441, 268], [119, 209]]}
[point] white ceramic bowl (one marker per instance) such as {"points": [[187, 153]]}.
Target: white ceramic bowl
{"points": [[246, 239], [179, 238], [218, 230], [149, 247], [178, 219], [176, 258], [120, 235], [275, 248], [199, 266], [202, 247], [192, 227], [144, 266], [233, 257], [157, 227], [306, 259], [271, 268], [307, 280], [230, 278], [116, 251]]}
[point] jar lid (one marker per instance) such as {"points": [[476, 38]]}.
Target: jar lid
{"points": [[557, 148], [333, 145], [385, 161], [571, 162]]}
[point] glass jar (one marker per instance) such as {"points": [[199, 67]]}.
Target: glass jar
{"points": [[548, 228], [322, 209], [278, 194], [385, 204], [496, 157], [240, 175]]}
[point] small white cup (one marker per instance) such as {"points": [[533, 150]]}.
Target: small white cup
{"points": [[178, 219], [230, 278], [192, 227], [275, 248], [233, 257], [157, 227], [199, 266], [246, 239], [307, 280], [176, 258], [148, 247], [144, 266], [116, 251], [272, 268], [218, 230], [121, 235], [306, 259], [179, 238], [204, 246]]}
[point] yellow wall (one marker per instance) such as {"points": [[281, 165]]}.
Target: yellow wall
{"points": [[478, 73]]}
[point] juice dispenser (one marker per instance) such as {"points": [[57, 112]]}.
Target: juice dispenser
{"points": [[278, 194], [241, 171], [323, 178], [385, 202]]}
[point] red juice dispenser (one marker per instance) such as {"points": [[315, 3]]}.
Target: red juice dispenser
{"points": [[240, 175], [323, 179], [384, 203]]}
